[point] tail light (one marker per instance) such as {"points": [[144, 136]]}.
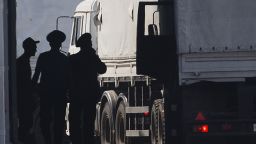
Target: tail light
{"points": [[146, 114], [201, 128]]}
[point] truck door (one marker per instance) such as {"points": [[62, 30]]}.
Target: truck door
{"points": [[156, 50]]}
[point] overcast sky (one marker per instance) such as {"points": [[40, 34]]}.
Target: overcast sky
{"points": [[36, 18]]}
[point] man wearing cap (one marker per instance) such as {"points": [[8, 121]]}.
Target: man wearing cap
{"points": [[53, 66], [24, 90], [85, 67]]}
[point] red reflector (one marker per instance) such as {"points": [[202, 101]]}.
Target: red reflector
{"points": [[202, 128], [200, 117], [146, 114]]}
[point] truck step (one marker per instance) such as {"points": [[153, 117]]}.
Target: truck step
{"points": [[134, 110], [137, 133]]}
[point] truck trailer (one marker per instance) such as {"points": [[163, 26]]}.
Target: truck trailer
{"points": [[178, 71]]}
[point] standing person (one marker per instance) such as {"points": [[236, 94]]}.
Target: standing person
{"points": [[24, 90], [85, 67], [53, 67]]}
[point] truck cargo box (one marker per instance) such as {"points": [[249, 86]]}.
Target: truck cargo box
{"points": [[216, 40]]}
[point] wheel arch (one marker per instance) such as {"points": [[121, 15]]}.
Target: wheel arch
{"points": [[122, 97], [111, 98]]}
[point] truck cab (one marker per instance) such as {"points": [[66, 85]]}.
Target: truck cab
{"points": [[83, 21]]}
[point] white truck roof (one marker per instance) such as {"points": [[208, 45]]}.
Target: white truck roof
{"points": [[85, 6]]}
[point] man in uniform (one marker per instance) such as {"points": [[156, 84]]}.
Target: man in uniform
{"points": [[85, 67], [54, 69], [24, 90]]}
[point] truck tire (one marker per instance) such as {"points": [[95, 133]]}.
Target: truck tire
{"points": [[106, 125], [120, 124], [153, 126], [157, 129], [161, 122]]}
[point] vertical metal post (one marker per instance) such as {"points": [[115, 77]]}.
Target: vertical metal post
{"points": [[129, 119], [3, 44], [142, 104], [10, 72], [135, 97], [142, 96], [149, 92]]}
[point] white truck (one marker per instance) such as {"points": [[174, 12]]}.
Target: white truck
{"points": [[194, 59]]}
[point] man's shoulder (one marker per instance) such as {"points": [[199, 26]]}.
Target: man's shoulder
{"points": [[74, 57], [77, 55], [50, 54], [63, 55], [43, 54], [21, 59]]}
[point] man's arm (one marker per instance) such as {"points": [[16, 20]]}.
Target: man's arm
{"points": [[101, 66]]}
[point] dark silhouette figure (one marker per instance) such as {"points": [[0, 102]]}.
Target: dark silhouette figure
{"points": [[24, 90], [86, 66], [54, 69]]}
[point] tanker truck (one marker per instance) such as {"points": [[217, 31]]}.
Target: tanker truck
{"points": [[177, 71]]}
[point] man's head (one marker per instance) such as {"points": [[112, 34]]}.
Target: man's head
{"points": [[29, 46], [84, 41], [55, 39]]}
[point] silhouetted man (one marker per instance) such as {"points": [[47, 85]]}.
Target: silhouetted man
{"points": [[54, 69], [85, 66], [24, 90]]}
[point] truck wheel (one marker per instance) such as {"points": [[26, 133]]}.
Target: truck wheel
{"points": [[161, 122], [120, 124], [157, 122], [153, 126], [106, 125]]}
